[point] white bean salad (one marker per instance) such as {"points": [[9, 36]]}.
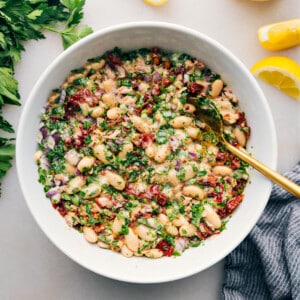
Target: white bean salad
{"points": [[124, 160]]}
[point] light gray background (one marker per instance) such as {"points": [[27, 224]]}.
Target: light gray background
{"points": [[30, 266]]}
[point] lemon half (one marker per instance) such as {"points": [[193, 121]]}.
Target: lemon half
{"points": [[156, 2], [281, 35], [281, 72]]}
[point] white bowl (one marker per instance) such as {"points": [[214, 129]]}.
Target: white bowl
{"points": [[262, 144]]}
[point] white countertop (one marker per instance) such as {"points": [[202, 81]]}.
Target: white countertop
{"points": [[31, 267]]}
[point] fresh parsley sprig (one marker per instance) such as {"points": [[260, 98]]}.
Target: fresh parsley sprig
{"points": [[21, 21]]}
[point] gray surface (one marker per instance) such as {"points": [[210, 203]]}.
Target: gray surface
{"points": [[30, 266]]}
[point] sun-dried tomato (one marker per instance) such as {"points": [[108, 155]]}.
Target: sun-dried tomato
{"points": [[222, 212], [201, 235], [166, 81], [113, 60], [165, 247], [240, 186], [217, 194], [232, 203], [195, 88], [241, 119], [74, 101], [60, 207], [157, 194], [144, 140], [154, 189], [162, 199], [206, 228], [167, 64], [131, 190]]}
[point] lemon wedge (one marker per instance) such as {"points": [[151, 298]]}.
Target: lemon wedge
{"points": [[281, 72], [278, 36], [156, 2]]}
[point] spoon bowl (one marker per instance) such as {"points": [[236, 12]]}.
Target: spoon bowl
{"points": [[207, 112]]}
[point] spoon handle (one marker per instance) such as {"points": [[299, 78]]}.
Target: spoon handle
{"points": [[284, 182]]}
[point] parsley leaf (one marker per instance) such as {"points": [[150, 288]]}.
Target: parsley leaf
{"points": [[24, 20]]}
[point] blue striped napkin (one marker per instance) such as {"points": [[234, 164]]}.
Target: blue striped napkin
{"points": [[266, 265]]}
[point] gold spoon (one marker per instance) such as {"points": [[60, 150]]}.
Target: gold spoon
{"points": [[207, 112]]}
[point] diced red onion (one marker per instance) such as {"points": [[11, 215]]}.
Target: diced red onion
{"points": [[174, 143], [62, 97], [173, 106], [52, 192], [192, 155], [72, 157], [177, 165], [147, 78], [156, 76], [44, 132], [148, 209], [119, 141], [56, 138], [186, 78], [50, 142], [181, 244], [44, 164]]}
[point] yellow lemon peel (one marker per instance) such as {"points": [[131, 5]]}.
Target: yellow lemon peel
{"points": [[281, 72], [281, 35], [156, 2]]}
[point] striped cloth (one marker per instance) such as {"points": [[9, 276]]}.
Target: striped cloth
{"points": [[266, 265]]}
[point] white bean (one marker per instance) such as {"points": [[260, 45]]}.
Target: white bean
{"points": [[172, 178], [109, 99], [162, 151], [91, 191], [72, 157], [194, 191], [171, 229], [187, 230], [189, 172], [86, 163], [163, 219], [75, 184], [69, 168], [240, 136], [104, 202], [85, 108], [146, 233], [90, 235], [71, 219], [117, 225], [159, 118], [181, 122], [216, 88], [37, 156], [222, 170], [114, 113], [102, 245], [151, 150], [96, 111], [127, 148], [132, 241], [103, 154], [140, 125], [180, 220], [108, 85], [126, 252], [211, 217], [115, 180], [153, 253], [193, 132]]}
